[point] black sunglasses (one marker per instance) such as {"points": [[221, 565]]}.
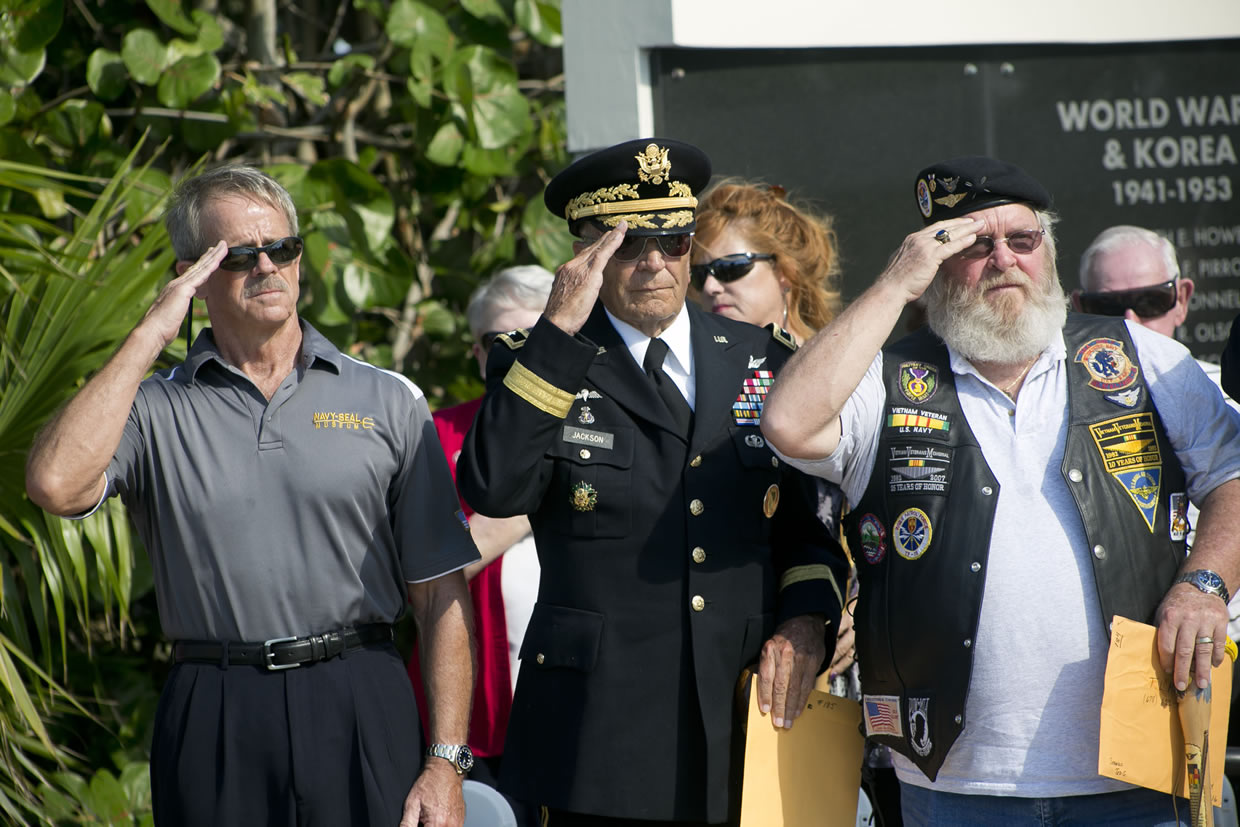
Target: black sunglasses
{"points": [[1023, 241], [1146, 302], [634, 246], [727, 268], [240, 259]]}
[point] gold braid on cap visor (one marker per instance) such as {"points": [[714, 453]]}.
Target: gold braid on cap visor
{"points": [[624, 198]]}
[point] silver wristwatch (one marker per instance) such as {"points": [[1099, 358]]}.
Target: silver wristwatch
{"points": [[459, 756], [1208, 581]]}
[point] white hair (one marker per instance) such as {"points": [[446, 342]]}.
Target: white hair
{"points": [[525, 286], [1113, 238]]}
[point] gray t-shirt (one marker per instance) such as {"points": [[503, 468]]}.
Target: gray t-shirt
{"points": [[287, 517]]}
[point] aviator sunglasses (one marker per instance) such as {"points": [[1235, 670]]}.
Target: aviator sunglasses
{"points": [[1146, 302], [240, 259], [1024, 241], [634, 246], [727, 268]]}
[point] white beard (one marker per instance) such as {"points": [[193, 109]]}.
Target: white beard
{"points": [[984, 332]]}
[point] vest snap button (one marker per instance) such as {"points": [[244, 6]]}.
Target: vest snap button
{"points": [[1075, 474], [1100, 552], [975, 566], [968, 642], [959, 718], [987, 490]]}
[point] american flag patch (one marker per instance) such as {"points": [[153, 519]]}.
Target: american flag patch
{"points": [[747, 410], [882, 715]]}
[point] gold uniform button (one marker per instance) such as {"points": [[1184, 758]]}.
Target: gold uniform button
{"points": [[696, 461], [698, 603], [584, 453], [696, 507], [540, 657], [699, 555], [774, 460]]}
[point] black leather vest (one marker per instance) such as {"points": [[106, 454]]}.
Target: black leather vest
{"points": [[921, 533]]}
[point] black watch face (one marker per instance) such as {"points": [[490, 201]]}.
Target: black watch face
{"points": [[465, 759]]}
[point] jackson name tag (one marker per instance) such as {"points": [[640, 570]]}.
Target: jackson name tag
{"points": [[584, 436]]}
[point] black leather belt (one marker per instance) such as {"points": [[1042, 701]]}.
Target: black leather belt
{"points": [[281, 652]]}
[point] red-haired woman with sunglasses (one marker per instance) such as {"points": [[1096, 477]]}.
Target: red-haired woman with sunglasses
{"points": [[762, 259]]}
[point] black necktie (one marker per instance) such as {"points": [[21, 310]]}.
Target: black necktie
{"points": [[656, 352]]}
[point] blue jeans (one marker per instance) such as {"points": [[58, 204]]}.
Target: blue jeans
{"points": [[1129, 808]]}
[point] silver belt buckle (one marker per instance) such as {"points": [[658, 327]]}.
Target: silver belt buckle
{"points": [[269, 656]]}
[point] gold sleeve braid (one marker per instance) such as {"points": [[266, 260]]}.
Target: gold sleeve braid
{"points": [[538, 391], [815, 571]]}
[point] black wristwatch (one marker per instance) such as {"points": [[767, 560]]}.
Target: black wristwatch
{"points": [[460, 756], [1208, 581]]}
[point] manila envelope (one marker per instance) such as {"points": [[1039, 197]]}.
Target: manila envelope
{"points": [[1140, 740], [807, 776]]}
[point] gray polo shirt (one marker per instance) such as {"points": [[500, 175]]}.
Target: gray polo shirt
{"points": [[287, 517]]}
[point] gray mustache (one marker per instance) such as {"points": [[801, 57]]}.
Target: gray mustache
{"points": [[265, 285]]}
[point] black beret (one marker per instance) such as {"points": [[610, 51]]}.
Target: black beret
{"points": [[959, 186], [651, 183]]}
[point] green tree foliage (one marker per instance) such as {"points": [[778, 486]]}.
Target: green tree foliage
{"points": [[415, 136]]}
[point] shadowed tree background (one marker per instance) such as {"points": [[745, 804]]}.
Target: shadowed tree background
{"points": [[415, 137]]}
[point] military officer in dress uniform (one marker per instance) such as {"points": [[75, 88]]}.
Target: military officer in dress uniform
{"points": [[675, 547]]}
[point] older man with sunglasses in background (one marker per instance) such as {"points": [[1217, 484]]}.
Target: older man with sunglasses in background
{"points": [[1020, 476], [291, 499], [675, 549]]}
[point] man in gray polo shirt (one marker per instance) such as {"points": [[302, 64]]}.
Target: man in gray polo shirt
{"points": [[291, 498]]}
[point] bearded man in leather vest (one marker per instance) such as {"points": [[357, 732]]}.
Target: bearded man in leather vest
{"points": [[1020, 476]]}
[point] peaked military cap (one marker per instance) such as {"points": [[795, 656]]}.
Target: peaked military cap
{"points": [[650, 183], [959, 186]]}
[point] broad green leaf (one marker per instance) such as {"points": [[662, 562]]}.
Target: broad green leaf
{"points": [[308, 86], [501, 116], [346, 67], [488, 163], [542, 20], [436, 320], [421, 81], [18, 68], [418, 27], [187, 79], [8, 107], [485, 9], [546, 235], [357, 286], [486, 85], [145, 56], [445, 148], [31, 24], [173, 16], [107, 797], [209, 34], [365, 204], [105, 74]]}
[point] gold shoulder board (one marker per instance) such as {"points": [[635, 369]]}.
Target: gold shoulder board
{"points": [[515, 339], [783, 337]]}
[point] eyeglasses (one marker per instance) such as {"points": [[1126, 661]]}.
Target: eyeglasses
{"points": [[727, 268], [487, 339], [1146, 302], [240, 259], [1023, 241], [634, 246]]}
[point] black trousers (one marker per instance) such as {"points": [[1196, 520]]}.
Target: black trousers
{"points": [[563, 818], [326, 744]]}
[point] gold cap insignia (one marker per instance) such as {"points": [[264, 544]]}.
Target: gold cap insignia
{"points": [[653, 165]]}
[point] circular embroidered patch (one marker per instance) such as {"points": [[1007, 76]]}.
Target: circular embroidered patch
{"points": [[923, 198], [873, 539], [912, 533], [1109, 368]]}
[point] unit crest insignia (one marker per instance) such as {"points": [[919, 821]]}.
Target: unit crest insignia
{"points": [[1109, 368], [912, 533], [918, 381], [584, 497]]}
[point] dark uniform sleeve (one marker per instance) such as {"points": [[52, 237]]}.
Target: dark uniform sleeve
{"points": [[1231, 362], [810, 562], [532, 380]]}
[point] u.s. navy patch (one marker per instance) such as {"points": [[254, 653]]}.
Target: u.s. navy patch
{"points": [[918, 381], [873, 539], [917, 421], [1129, 449], [882, 715], [919, 725], [919, 469], [1125, 399], [747, 409], [1109, 368], [911, 533], [1178, 527]]}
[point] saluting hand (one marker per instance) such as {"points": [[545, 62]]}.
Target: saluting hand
{"points": [[915, 264], [578, 282], [790, 661], [165, 316]]}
